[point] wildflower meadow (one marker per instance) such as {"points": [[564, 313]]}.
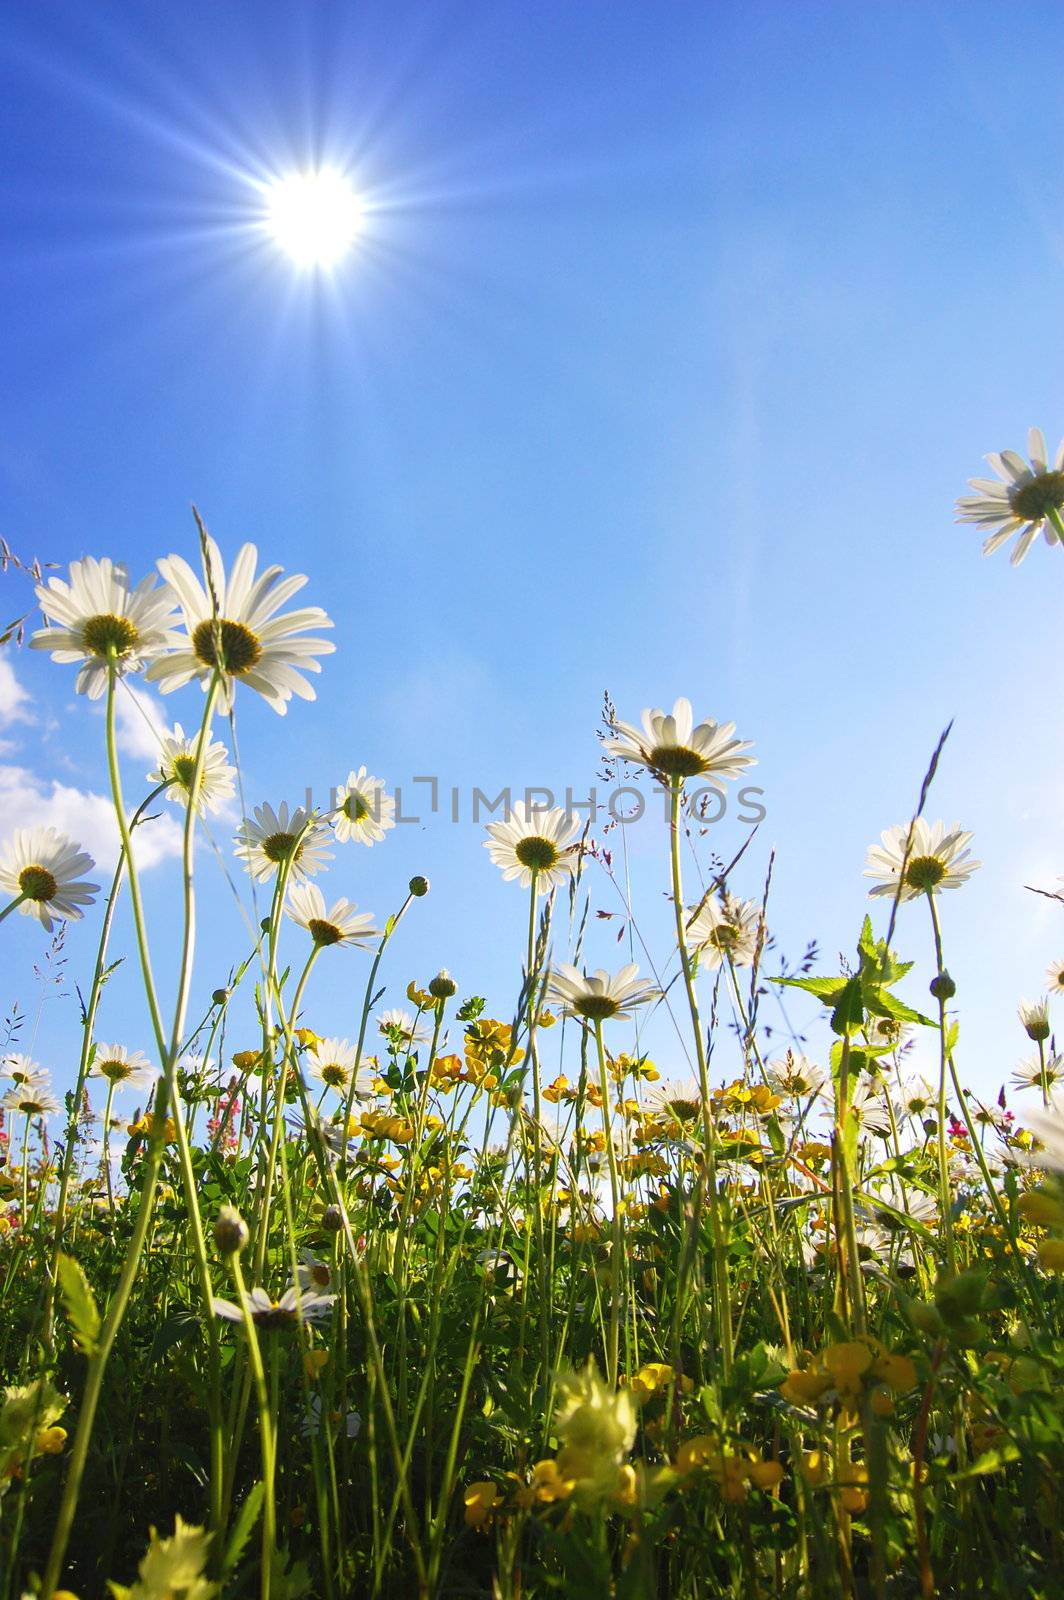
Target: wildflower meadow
{"points": [[496, 1301]]}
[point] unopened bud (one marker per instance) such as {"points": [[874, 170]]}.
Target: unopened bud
{"points": [[230, 1231], [419, 887], [219, 997], [1035, 1019], [265, 924], [443, 985], [332, 1219], [943, 987]]}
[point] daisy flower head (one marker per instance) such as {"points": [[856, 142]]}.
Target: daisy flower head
{"points": [[403, 1026], [177, 767], [534, 842], [333, 1062], [1027, 500], [341, 923], [1055, 977], [1034, 1018], [726, 929], [31, 1099], [673, 748], [122, 1068], [923, 858], [1029, 1073], [868, 1105], [599, 996], [1048, 1128], [679, 1099], [99, 620], [364, 811], [235, 627], [883, 1035], [271, 1315], [295, 839], [23, 1069], [796, 1077], [915, 1097], [45, 868]]}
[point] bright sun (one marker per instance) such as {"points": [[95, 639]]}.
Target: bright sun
{"points": [[314, 216]]}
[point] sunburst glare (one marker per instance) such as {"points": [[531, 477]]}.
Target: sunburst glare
{"points": [[313, 216]]}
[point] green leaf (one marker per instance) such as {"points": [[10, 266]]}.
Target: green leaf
{"points": [[79, 1303], [991, 1461], [848, 1014], [246, 1519]]}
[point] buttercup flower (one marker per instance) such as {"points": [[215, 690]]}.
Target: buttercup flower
{"points": [[599, 995], [332, 1062], [272, 1314], [724, 928], [124, 1068], [1029, 498], [342, 923], [275, 837], [933, 856], [233, 626], [364, 812], [672, 747], [97, 619], [177, 766], [534, 841], [44, 867]]}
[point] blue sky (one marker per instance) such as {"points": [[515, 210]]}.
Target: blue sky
{"points": [[673, 335]]}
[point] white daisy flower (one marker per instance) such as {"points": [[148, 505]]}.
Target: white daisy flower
{"points": [[1034, 1018], [313, 1274], [934, 857], [270, 1314], [599, 995], [364, 812], [796, 1077], [1048, 1128], [241, 633], [44, 867], [883, 1034], [536, 841], [282, 836], [1029, 498], [724, 928], [333, 1061], [1055, 977], [677, 1098], [411, 1032], [97, 618], [342, 923], [671, 746], [30, 1100], [125, 1069], [1028, 1075], [23, 1069], [868, 1104], [915, 1097], [311, 1423], [177, 767]]}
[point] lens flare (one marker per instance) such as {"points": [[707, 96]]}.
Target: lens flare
{"points": [[313, 216]]}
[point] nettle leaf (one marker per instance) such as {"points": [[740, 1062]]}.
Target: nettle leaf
{"points": [[823, 988], [79, 1303], [884, 1004], [246, 1519], [848, 1014]]}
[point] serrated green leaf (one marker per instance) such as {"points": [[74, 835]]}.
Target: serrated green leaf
{"points": [[79, 1303], [246, 1519]]}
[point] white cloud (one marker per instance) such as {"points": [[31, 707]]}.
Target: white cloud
{"points": [[140, 722], [88, 818], [14, 699]]}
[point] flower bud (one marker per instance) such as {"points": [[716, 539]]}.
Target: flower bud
{"points": [[419, 887], [443, 985], [1035, 1019], [265, 924], [943, 986], [332, 1219], [230, 1231], [219, 997]]}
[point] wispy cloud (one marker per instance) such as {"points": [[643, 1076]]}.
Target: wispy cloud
{"points": [[86, 817]]}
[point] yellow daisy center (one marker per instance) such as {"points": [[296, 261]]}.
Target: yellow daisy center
{"points": [[536, 853], [184, 770], [323, 933], [355, 808], [239, 649], [37, 883], [280, 847], [676, 760], [1041, 494], [114, 1069], [925, 872], [109, 635], [596, 1006], [334, 1075]]}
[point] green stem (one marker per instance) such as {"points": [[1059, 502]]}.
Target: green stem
{"points": [[944, 1198], [15, 903], [613, 1346]]}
